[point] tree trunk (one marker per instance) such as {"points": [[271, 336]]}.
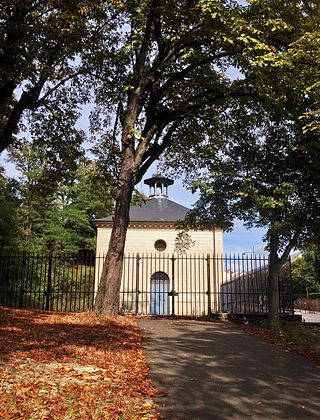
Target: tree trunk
{"points": [[317, 264], [274, 303], [273, 284], [108, 295]]}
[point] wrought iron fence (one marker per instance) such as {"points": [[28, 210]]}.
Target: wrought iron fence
{"points": [[192, 285], [199, 285], [245, 286], [48, 282]]}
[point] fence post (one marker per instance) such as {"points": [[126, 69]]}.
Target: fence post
{"points": [[209, 286], [49, 283], [280, 292], [291, 286], [23, 272], [173, 292], [137, 283]]}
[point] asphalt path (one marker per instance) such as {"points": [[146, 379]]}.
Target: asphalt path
{"points": [[309, 316], [213, 370]]}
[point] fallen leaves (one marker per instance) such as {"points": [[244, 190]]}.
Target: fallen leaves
{"points": [[66, 365]]}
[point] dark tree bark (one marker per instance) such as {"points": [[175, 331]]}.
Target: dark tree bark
{"points": [[277, 261], [107, 300], [27, 101], [273, 283], [108, 295]]}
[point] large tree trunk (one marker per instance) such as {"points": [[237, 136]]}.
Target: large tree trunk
{"points": [[273, 282], [108, 295], [274, 303]]}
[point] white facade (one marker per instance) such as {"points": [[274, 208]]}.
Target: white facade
{"points": [[141, 239]]}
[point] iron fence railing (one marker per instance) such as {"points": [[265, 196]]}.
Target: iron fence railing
{"points": [[48, 282], [153, 284], [198, 285], [246, 289]]}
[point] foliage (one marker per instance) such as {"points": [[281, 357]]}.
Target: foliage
{"points": [[264, 169], [9, 202], [41, 69], [171, 61], [294, 28], [56, 205], [305, 272], [265, 175], [52, 205], [72, 366]]}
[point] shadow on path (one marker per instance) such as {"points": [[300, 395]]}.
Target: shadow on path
{"points": [[215, 371]]}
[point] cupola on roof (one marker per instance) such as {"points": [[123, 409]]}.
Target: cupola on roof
{"points": [[158, 185], [158, 208]]}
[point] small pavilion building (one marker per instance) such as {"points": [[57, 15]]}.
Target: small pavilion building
{"points": [[159, 276]]}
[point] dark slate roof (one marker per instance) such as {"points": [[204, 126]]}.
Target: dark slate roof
{"points": [[157, 209]]}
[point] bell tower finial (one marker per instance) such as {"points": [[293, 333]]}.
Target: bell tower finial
{"points": [[158, 185]]}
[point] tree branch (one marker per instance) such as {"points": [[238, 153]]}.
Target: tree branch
{"points": [[206, 98], [154, 152], [6, 90], [142, 54], [180, 75], [49, 92], [294, 240], [27, 101], [158, 29]]}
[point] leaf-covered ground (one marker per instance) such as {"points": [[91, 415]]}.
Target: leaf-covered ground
{"points": [[72, 366], [301, 339]]}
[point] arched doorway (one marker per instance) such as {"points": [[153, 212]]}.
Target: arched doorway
{"points": [[159, 300]]}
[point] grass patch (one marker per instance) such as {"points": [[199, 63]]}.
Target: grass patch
{"points": [[72, 366], [302, 334], [298, 338]]}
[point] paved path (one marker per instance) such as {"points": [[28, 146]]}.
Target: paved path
{"points": [[309, 316], [215, 371]]}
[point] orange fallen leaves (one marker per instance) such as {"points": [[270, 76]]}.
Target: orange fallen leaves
{"points": [[67, 365]]}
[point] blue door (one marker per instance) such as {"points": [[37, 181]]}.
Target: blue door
{"points": [[159, 301]]}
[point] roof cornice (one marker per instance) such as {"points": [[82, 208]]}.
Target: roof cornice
{"points": [[139, 225]]}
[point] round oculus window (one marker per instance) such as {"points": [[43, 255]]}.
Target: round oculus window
{"points": [[160, 245]]}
